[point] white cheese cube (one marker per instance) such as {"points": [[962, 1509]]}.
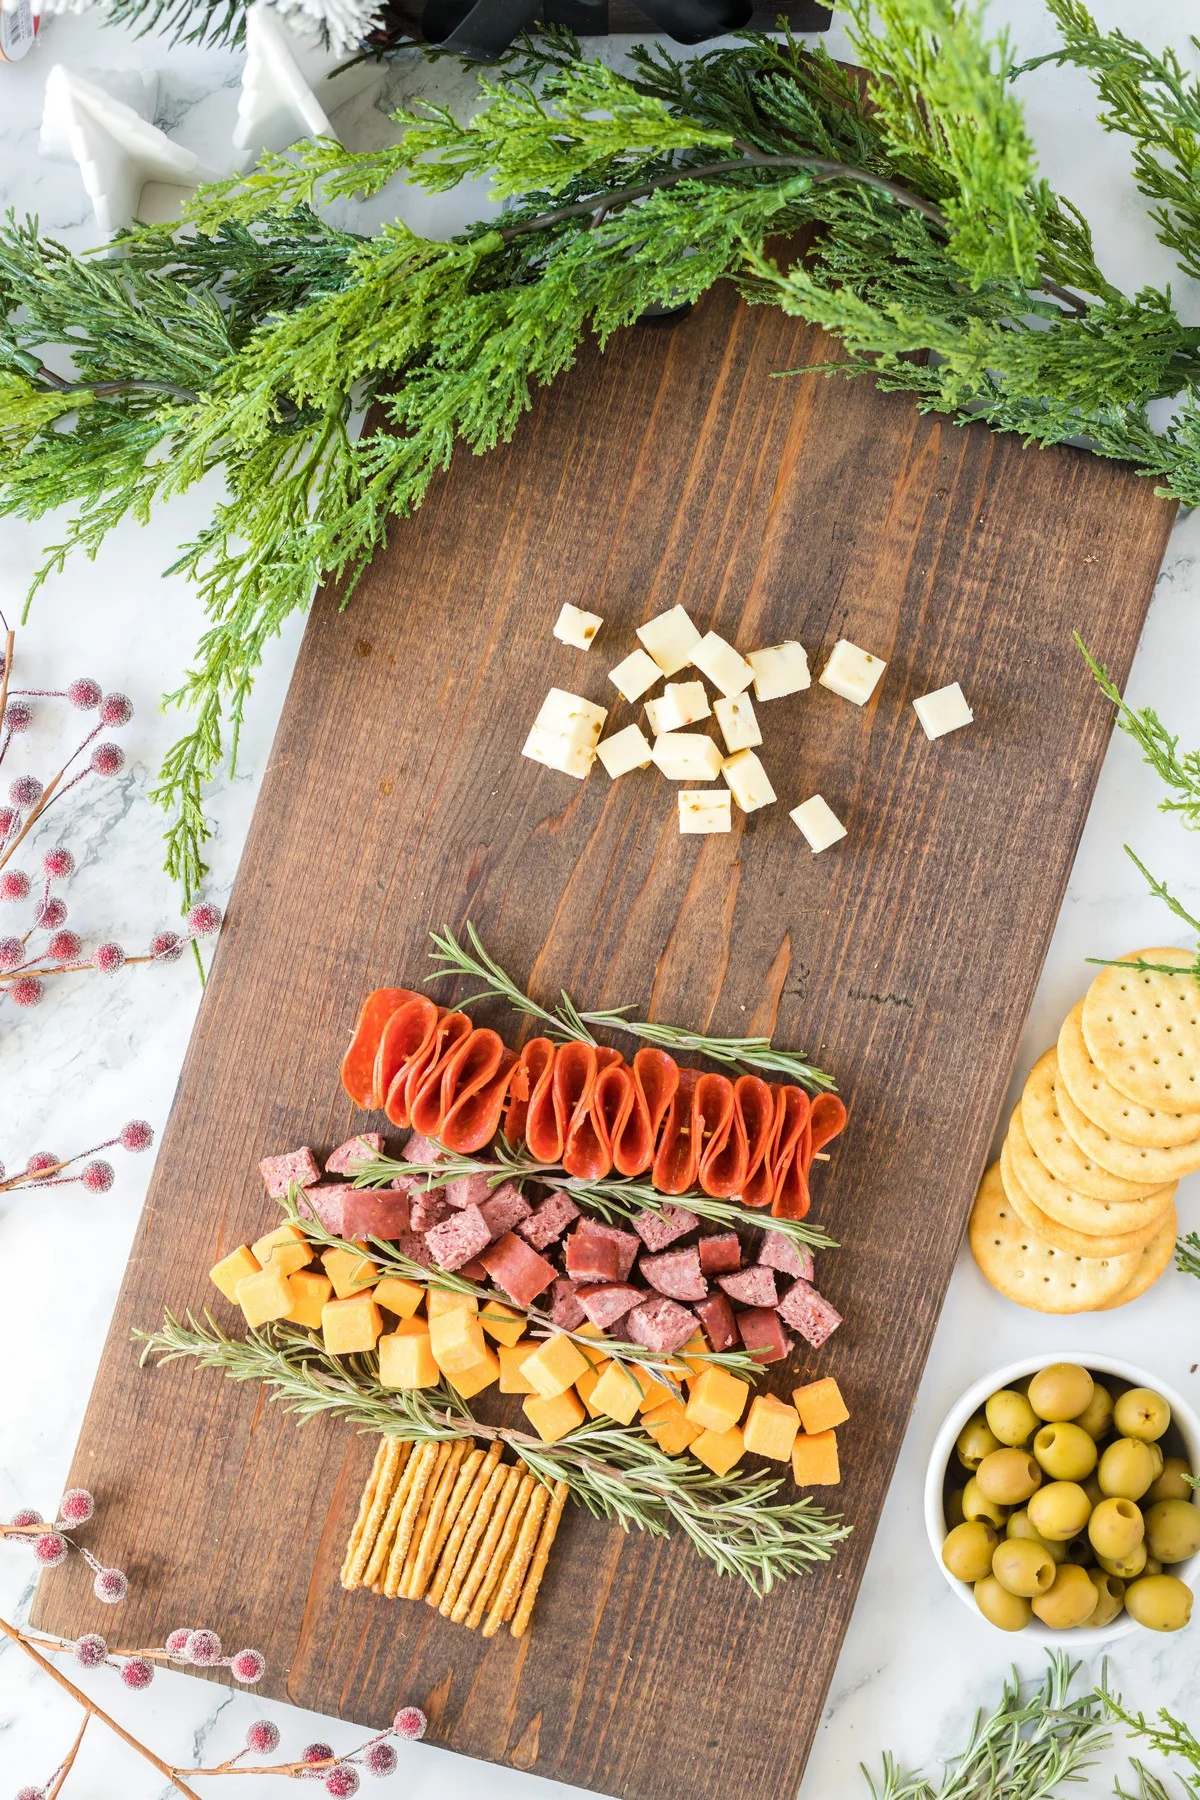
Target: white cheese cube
{"points": [[558, 752], [670, 638], [687, 756], [944, 710], [704, 810], [572, 717], [747, 781], [682, 703], [658, 712], [635, 674], [722, 664], [624, 750], [851, 672], [739, 727], [778, 670], [819, 823], [576, 628]]}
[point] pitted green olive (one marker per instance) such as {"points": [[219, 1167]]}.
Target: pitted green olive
{"points": [[1023, 1567], [1141, 1413], [1008, 1611], [1008, 1477], [1128, 1567], [1061, 1391], [976, 1505], [1021, 1526], [1172, 1483], [1159, 1602], [975, 1442], [1010, 1417], [967, 1551], [1065, 1451], [1060, 1510], [1096, 1417], [1072, 1600], [1116, 1527], [1110, 1597], [1126, 1469], [1173, 1530]]}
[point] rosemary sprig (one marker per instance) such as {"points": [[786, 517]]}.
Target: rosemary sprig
{"points": [[1187, 1254], [1165, 1734], [1025, 1749], [615, 1473], [756, 1054]]}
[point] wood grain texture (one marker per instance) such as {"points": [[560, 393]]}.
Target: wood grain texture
{"points": [[672, 468]]}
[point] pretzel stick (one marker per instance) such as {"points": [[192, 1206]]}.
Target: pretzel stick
{"points": [[387, 1531], [391, 1468], [441, 1463], [498, 1563], [450, 1487], [487, 1546], [533, 1580], [470, 1542], [424, 1461], [505, 1602], [448, 1555]]}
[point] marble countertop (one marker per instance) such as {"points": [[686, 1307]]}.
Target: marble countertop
{"points": [[915, 1663]]}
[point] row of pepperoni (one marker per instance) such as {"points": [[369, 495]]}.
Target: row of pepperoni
{"points": [[583, 1107]]}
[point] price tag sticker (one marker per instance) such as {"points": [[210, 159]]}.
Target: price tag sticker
{"points": [[18, 29]]}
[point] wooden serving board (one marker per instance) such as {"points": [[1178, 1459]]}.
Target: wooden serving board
{"points": [[904, 960]]}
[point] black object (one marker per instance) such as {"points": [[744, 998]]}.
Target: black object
{"points": [[483, 29]]}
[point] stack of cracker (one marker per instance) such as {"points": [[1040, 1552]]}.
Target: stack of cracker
{"points": [[1078, 1215], [455, 1527]]}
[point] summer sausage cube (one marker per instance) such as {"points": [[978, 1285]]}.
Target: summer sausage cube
{"points": [[457, 1239], [658, 1229], [548, 1221], [355, 1153], [660, 1324], [422, 1150], [299, 1166], [427, 1210], [380, 1214], [566, 1308], [763, 1335], [591, 1257], [627, 1242], [325, 1202], [809, 1313], [716, 1316], [506, 1209], [779, 1252], [752, 1287], [608, 1302], [675, 1273], [520, 1271], [468, 1190], [721, 1253]]}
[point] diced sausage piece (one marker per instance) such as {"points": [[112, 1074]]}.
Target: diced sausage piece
{"points": [[608, 1302], [549, 1220], [415, 1248], [658, 1229], [763, 1335], [355, 1153], [457, 1239], [422, 1150], [753, 1287], [380, 1214], [566, 1308], [300, 1166], [779, 1252], [590, 1257], [720, 1253], [675, 1273], [716, 1316], [427, 1210], [474, 1270], [809, 1313], [627, 1242], [468, 1190], [506, 1208], [660, 1324], [520, 1271], [326, 1202]]}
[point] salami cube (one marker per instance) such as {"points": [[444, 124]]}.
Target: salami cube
{"points": [[520, 1271], [779, 1252], [326, 1202], [763, 1335], [716, 1317], [566, 1308], [425, 1210], [355, 1153], [380, 1214], [721, 1253], [609, 1301], [658, 1229], [457, 1239], [660, 1324], [627, 1242], [422, 1150], [468, 1190], [676, 1273], [591, 1257], [809, 1313], [548, 1221], [299, 1166], [415, 1248], [506, 1208], [752, 1287]]}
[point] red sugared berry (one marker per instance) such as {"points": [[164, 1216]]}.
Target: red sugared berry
{"points": [[50, 914], [31, 1793], [317, 1753], [410, 1722], [40, 1161], [97, 1177], [107, 759], [115, 709], [263, 1737], [204, 919], [381, 1759], [12, 952], [65, 946], [8, 818], [50, 1549], [14, 885], [28, 1515], [91, 1650], [111, 1586], [76, 1506], [108, 958], [28, 991], [137, 1673], [25, 791], [136, 1135], [58, 864], [203, 1649], [18, 715], [166, 946], [248, 1666], [84, 693], [342, 1782], [177, 1642]]}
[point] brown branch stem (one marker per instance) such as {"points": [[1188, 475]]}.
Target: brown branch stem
{"points": [[56, 1787], [65, 968], [9, 645], [43, 801]]}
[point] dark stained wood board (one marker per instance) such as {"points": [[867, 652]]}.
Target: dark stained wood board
{"points": [[673, 468]]}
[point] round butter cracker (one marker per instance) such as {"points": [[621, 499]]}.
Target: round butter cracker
{"points": [[1133, 1162], [1058, 1151], [1082, 1212], [1063, 1237], [1116, 1113], [1142, 1030], [1153, 1262], [1034, 1274]]}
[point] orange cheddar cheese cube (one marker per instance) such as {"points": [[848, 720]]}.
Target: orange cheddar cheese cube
{"points": [[670, 1427], [405, 1357], [771, 1427], [655, 1392], [617, 1393], [351, 1326], [457, 1339], [234, 1268], [264, 1296], [511, 1357], [350, 1271], [554, 1366], [399, 1296], [815, 1459], [820, 1405], [444, 1300], [585, 1387], [718, 1450], [472, 1381], [694, 1353], [501, 1322], [287, 1246], [310, 1291], [717, 1399], [552, 1419], [596, 1355]]}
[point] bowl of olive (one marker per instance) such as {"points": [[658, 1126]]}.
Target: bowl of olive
{"points": [[1057, 1500]]}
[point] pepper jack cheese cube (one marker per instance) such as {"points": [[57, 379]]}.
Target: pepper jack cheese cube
{"points": [[406, 1357], [815, 1459], [575, 627], [310, 1291], [264, 1296], [554, 1366], [554, 751], [778, 670], [687, 756], [820, 1405], [657, 715], [399, 1296], [944, 710], [719, 1450], [552, 1419], [501, 1322], [717, 1399], [819, 823], [457, 1339], [580, 721], [352, 1326], [472, 1381], [703, 810], [349, 1270], [625, 750], [670, 1428], [617, 1393], [682, 703], [739, 727], [670, 638], [234, 1268], [747, 780], [851, 672], [722, 664], [634, 675], [511, 1356], [287, 1246], [770, 1428]]}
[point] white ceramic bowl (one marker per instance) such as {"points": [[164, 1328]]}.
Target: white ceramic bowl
{"points": [[1182, 1439]]}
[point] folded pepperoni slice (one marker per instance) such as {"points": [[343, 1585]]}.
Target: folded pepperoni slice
{"points": [[543, 1126], [675, 1160], [589, 1147], [760, 1183], [828, 1120], [473, 1097], [358, 1064], [575, 1071], [790, 1199], [755, 1104], [406, 1036], [534, 1062], [655, 1079], [419, 1092], [720, 1137]]}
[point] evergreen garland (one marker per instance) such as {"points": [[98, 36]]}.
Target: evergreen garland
{"points": [[245, 344]]}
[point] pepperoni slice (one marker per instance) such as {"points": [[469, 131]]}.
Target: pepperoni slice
{"points": [[675, 1160], [655, 1079], [828, 1120], [576, 1068], [534, 1062], [469, 1065], [760, 1184], [358, 1064], [791, 1199], [755, 1104], [589, 1147], [473, 1097], [407, 1034], [543, 1126], [421, 1086], [720, 1137]]}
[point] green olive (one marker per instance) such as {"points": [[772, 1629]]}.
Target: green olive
{"points": [[1060, 1510], [1141, 1413], [976, 1505], [1061, 1391], [954, 1511], [1008, 1477], [1065, 1451], [1020, 1526], [1159, 1602], [1072, 1600], [1172, 1483], [1022, 1567], [1126, 1469], [1110, 1597], [1116, 1527], [1092, 1489], [1010, 1417], [1096, 1417], [1173, 1530], [975, 1442], [1127, 1567], [1156, 1452], [1008, 1611], [967, 1551]]}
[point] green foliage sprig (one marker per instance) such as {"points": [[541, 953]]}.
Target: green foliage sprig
{"points": [[1167, 1736]]}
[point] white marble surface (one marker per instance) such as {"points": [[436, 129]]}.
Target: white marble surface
{"points": [[915, 1662]]}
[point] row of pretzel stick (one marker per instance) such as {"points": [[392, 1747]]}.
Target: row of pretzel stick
{"points": [[452, 1525]]}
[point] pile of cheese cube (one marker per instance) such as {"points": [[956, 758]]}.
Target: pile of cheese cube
{"points": [[567, 732]]}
